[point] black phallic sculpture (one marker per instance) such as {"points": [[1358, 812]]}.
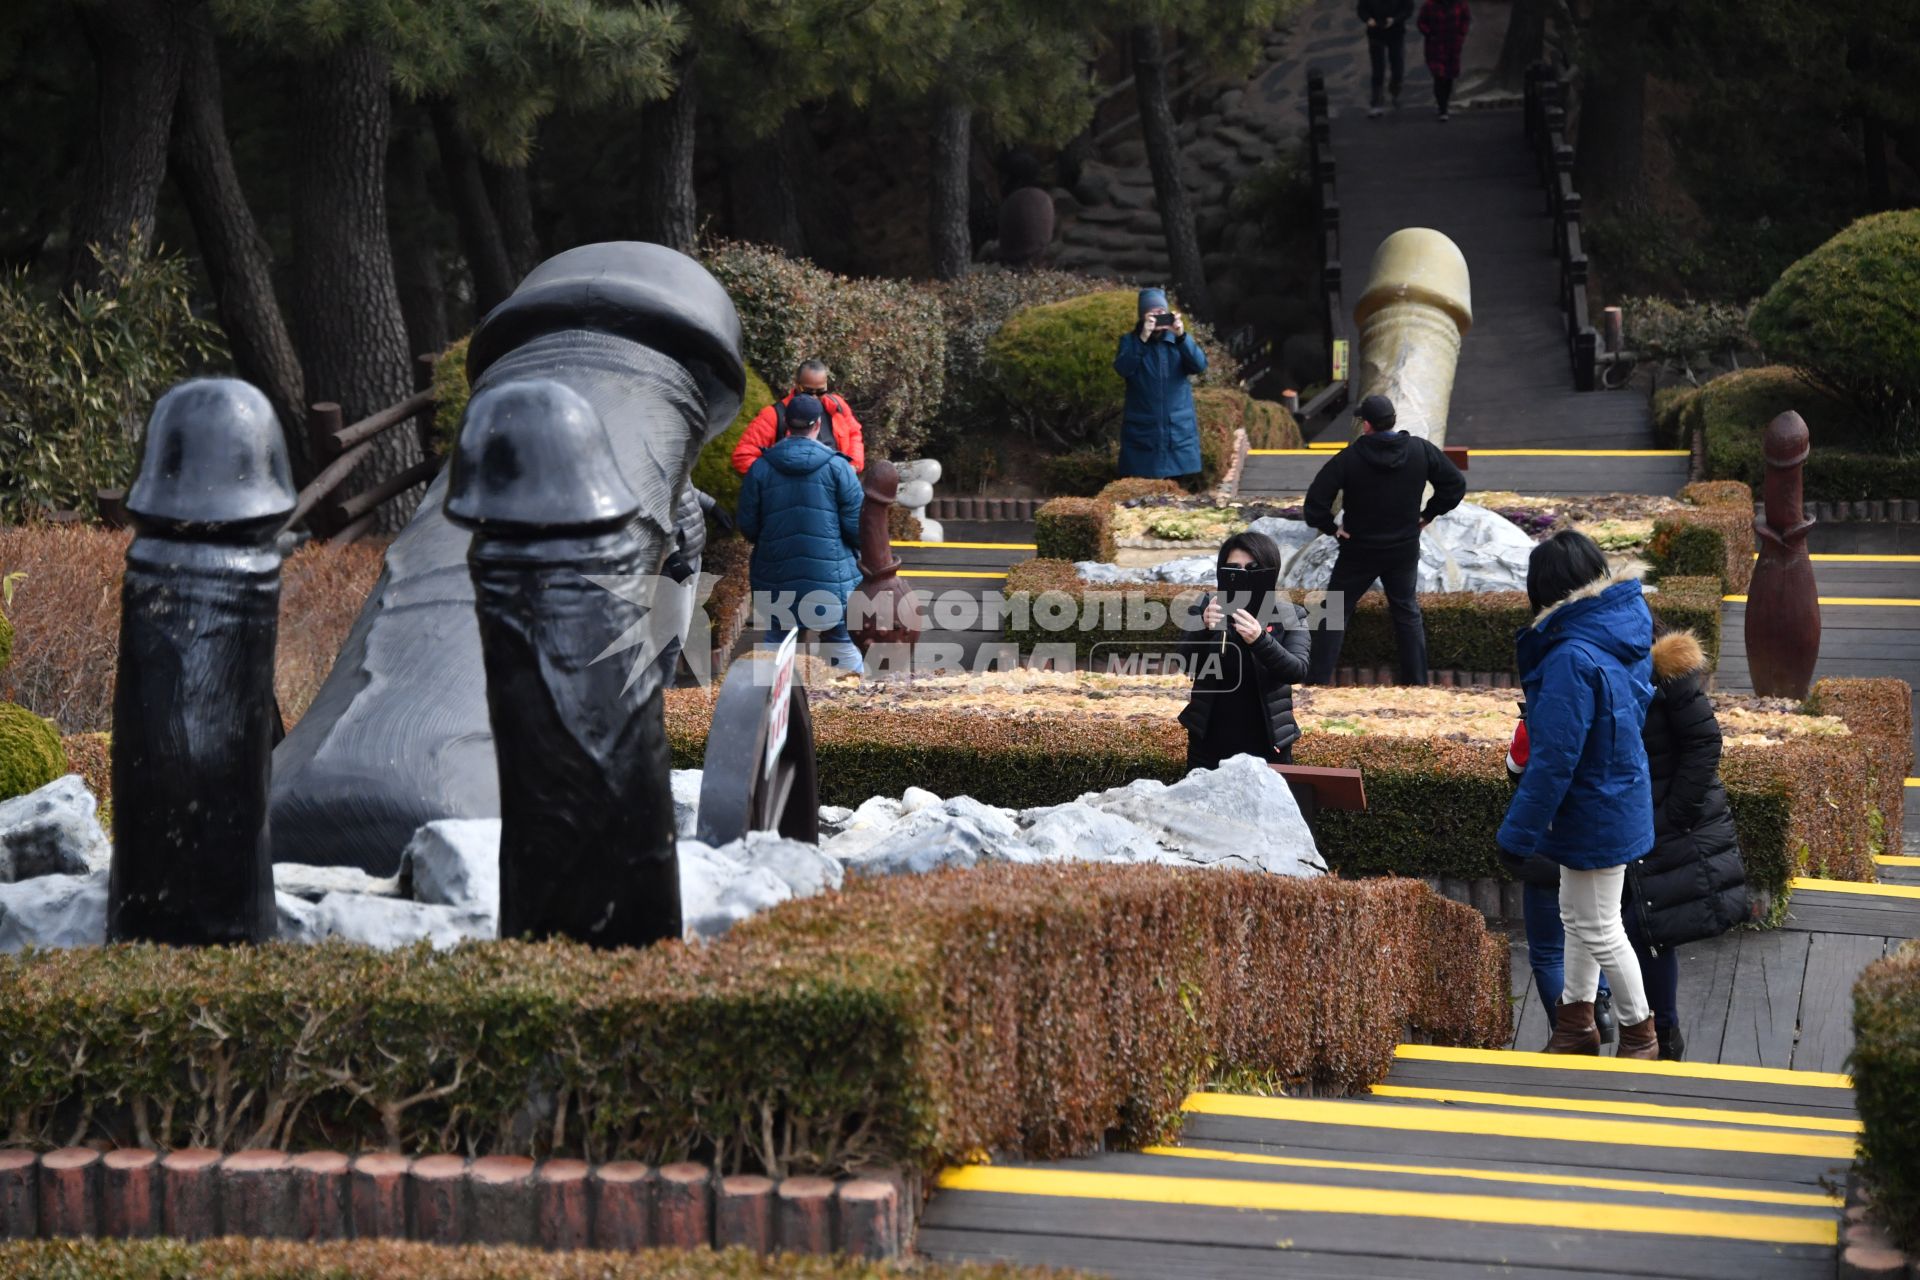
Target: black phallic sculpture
{"points": [[586, 806], [193, 710], [399, 734]]}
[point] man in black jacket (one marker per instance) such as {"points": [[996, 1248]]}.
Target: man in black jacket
{"points": [[1386, 44], [1384, 476]]}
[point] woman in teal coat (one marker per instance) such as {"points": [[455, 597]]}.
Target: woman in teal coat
{"points": [[1159, 435]]}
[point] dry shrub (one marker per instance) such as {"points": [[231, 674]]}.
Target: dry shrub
{"points": [[321, 591], [66, 618], [1070, 529], [91, 756], [1886, 1083], [1718, 493], [1038, 1009], [239, 1259]]}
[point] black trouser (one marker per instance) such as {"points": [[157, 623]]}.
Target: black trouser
{"points": [[1354, 572], [1208, 755], [1442, 90], [1387, 45]]}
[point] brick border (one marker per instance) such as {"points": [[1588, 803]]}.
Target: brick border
{"points": [[1877, 511], [447, 1199]]}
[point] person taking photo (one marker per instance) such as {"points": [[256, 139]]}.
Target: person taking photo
{"points": [[1244, 669], [1159, 432]]}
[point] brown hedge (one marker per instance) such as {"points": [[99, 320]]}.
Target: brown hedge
{"points": [[1120, 492], [915, 1020], [1467, 631], [1886, 1087], [1715, 541], [727, 559], [1719, 493], [1073, 529], [235, 1259], [1820, 806]]}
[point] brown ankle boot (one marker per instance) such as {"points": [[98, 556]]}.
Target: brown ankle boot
{"points": [[1640, 1040], [1574, 1030]]}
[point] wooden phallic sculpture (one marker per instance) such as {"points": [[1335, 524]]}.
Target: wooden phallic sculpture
{"points": [[886, 612], [1417, 306], [1783, 602], [400, 734], [193, 709]]}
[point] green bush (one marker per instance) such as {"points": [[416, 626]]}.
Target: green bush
{"points": [[1886, 1088], [1714, 542], [1073, 529], [450, 394], [30, 752], [884, 340], [1850, 312], [976, 305], [1686, 336], [914, 1020], [1052, 366], [79, 373], [6, 642], [237, 1259], [1467, 631], [1847, 461], [1081, 473], [713, 470]]}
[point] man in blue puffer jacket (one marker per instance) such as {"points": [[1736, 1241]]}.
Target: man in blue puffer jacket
{"points": [[1159, 434], [1585, 800], [800, 507]]}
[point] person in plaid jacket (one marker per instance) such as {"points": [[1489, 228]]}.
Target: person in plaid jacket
{"points": [[1444, 23]]}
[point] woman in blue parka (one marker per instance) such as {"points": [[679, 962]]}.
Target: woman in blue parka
{"points": [[1585, 800], [1159, 435]]}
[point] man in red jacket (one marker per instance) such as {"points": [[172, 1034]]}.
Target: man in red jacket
{"points": [[810, 379]]}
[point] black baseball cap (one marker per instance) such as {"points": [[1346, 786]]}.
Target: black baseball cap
{"points": [[1377, 412]]}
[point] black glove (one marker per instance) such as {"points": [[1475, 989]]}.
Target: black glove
{"points": [[722, 518]]}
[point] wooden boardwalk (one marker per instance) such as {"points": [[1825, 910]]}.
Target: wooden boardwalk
{"points": [[1284, 473]]}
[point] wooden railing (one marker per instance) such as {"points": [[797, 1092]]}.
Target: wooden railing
{"points": [[339, 449], [1326, 199], [1546, 124]]}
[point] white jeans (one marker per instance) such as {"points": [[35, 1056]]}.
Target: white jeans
{"points": [[1597, 939]]}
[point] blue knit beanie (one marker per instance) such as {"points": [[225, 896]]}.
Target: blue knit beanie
{"points": [[1152, 298]]}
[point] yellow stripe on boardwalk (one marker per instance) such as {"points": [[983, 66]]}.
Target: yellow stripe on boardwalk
{"points": [[950, 573], [1491, 1124], [1893, 860], [1834, 558], [1296, 1197], [1875, 602], [980, 546], [1313, 450], [1854, 886], [1532, 1178], [1913, 782], [1609, 1106], [1571, 1062]]}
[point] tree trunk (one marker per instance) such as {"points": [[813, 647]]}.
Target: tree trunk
{"points": [[1163, 157], [1610, 152], [238, 261], [947, 229], [766, 207], [351, 331], [667, 212], [416, 253], [137, 55], [512, 198], [1524, 46], [480, 239]]}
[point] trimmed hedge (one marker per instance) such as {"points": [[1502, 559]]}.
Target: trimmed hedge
{"points": [[1468, 631], [1850, 311], [234, 1259], [30, 752], [1886, 1089], [1072, 529], [451, 393], [1847, 463], [1133, 488], [917, 1020], [1715, 542], [713, 469], [1810, 806], [1718, 493]]}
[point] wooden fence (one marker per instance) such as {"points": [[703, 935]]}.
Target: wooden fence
{"points": [[338, 449], [1335, 322], [1546, 124]]}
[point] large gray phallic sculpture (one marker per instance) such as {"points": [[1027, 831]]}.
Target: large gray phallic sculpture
{"points": [[400, 733], [193, 713]]}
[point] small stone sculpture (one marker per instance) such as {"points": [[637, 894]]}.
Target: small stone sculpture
{"points": [[1783, 602], [193, 709], [917, 479]]}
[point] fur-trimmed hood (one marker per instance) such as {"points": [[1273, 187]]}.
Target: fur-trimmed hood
{"points": [[1676, 654], [1631, 571]]}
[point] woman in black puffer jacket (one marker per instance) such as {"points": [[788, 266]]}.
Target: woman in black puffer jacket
{"points": [[1692, 886], [1242, 700]]}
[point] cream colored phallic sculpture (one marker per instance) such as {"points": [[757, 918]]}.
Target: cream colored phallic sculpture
{"points": [[1417, 307]]}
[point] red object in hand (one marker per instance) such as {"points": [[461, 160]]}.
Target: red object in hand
{"points": [[1517, 753]]}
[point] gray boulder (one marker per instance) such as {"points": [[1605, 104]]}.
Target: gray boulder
{"points": [[686, 802], [1077, 832], [933, 840], [52, 832], [54, 911], [802, 867], [1468, 549], [455, 862], [314, 883], [389, 923], [718, 889], [1240, 815], [299, 918]]}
